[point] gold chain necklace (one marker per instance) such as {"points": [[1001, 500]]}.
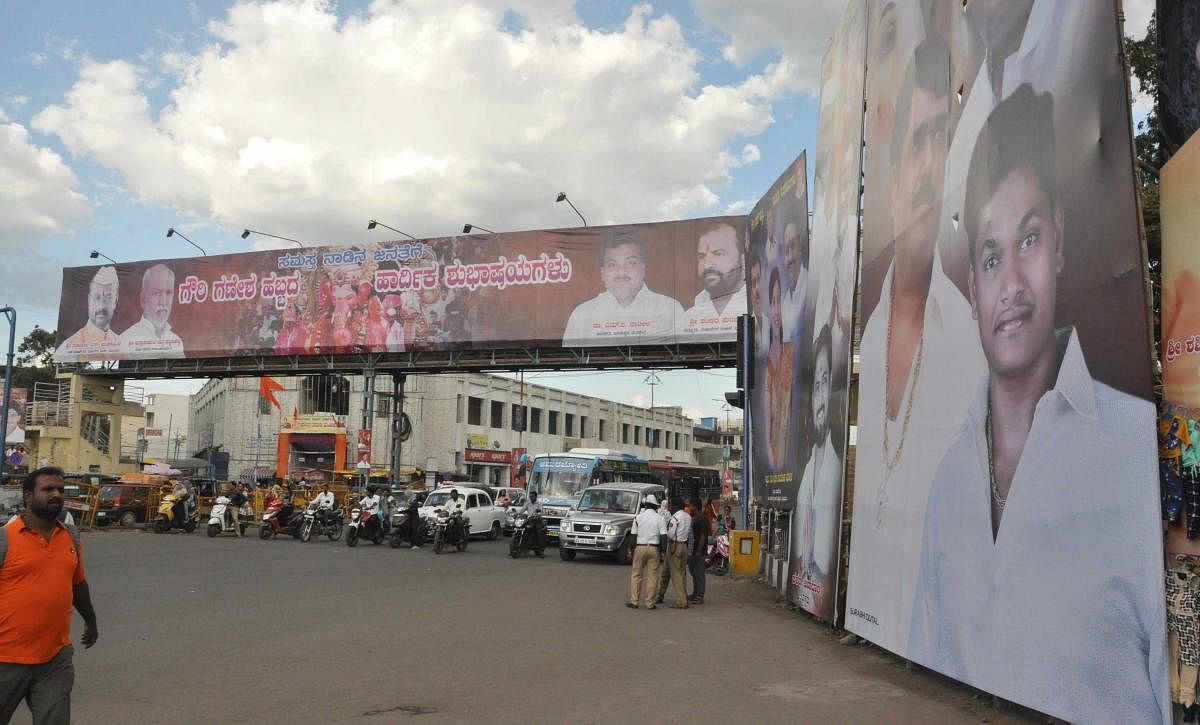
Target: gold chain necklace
{"points": [[997, 499], [890, 459]]}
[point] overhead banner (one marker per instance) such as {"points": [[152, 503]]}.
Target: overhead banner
{"points": [[643, 284], [778, 280], [817, 517], [14, 427], [1006, 512]]}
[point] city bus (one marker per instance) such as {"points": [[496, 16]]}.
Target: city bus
{"points": [[559, 478], [687, 481]]}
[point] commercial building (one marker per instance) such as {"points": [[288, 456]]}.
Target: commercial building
{"points": [[161, 434], [75, 423], [470, 424]]}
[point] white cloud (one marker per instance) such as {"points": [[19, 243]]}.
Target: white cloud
{"points": [[740, 206], [638, 400], [425, 114], [16, 102], [37, 189], [750, 154], [799, 30], [1137, 17]]}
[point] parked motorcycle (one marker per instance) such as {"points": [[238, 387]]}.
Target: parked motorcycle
{"points": [[280, 518], [450, 529], [224, 517], [324, 521], [528, 533], [176, 510], [363, 525], [401, 530], [716, 559]]}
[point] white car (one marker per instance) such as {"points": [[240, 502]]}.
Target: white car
{"points": [[485, 517]]}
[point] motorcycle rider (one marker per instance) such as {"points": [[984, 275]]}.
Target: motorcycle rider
{"points": [[531, 509], [325, 502], [455, 505], [370, 502], [237, 499], [414, 521]]}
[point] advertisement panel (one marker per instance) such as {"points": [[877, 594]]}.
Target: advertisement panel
{"points": [[643, 284], [778, 281], [817, 518], [1006, 514], [14, 428]]}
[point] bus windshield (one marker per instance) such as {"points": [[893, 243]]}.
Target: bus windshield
{"points": [[560, 484]]}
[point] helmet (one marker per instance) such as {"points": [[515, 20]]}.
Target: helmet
{"points": [[650, 500]]}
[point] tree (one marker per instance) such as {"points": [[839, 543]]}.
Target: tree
{"points": [[1142, 56], [37, 348]]}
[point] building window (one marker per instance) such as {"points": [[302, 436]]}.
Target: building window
{"points": [[383, 406], [474, 411], [625, 433], [600, 433], [570, 425], [583, 426], [519, 415], [458, 409], [535, 420], [150, 415], [497, 414], [552, 429], [264, 408], [637, 435]]}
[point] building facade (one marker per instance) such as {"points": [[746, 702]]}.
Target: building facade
{"points": [[470, 424], [161, 434]]}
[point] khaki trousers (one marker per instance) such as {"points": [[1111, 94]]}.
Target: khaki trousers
{"points": [[1183, 677], [645, 567], [677, 552]]}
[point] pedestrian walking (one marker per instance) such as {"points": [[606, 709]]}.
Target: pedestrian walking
{"points": [[649, 534], [679, 533], [701, 530], [41, 578]]}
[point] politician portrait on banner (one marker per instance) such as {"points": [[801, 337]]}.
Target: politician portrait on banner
{"points": [[816, 522], [1006, 501], [779, 263]]}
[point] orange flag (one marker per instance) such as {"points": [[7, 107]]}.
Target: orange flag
{"points": [[267, 387]]}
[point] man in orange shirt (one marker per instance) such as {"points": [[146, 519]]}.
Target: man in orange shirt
{"points": [[41, 578]]}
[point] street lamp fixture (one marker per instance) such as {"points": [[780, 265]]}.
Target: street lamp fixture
{"points": [[172, 231], [468, 227], [562, 196], [96, 254], [247, 232], [371, 224]]}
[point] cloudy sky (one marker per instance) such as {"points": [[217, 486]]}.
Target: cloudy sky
{"points": [[305, 118]]}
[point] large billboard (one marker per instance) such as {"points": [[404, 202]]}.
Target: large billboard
{"points": [[833, 262], [777, 275], [1178, 24], [1006, 513], [645, 284]]}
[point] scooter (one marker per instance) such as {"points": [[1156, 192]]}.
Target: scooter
{"points": [[224, 517], [324, 521], [174, 512], [363, 525], [717, 557], [280, 518]]}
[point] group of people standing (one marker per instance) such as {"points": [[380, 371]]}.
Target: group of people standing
{"points": [[679, 538]]}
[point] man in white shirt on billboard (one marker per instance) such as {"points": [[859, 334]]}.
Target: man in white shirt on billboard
{"points": [[96, 340], [627, 311], [795, 261], [722, 268], [1041, 567], [151, 336], [920, 363]]}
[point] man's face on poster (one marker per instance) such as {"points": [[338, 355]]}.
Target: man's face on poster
{"points": [[920, 171], [14, 420], [624, 272], [820, 397], [158, 292], [792, 253], [102, 302], [776, 313], [1014, 275], [755, 285], [893, 30], [719, 261]]}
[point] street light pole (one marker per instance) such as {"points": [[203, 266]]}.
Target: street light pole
{"points": [[562, 196], [11, 314], [247, 232]]}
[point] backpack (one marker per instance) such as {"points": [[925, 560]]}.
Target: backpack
{"points": [[74, 532]]}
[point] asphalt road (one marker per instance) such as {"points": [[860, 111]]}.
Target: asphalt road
{"points": [[226, 630]]}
